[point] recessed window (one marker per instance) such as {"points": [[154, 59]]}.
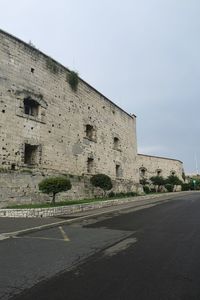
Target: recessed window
{"points": [[90, 165], [173, 173], [142, 172], [30, 154], [159, 172], [90, 132], [31, 107], [116, 143], [13, 167], [118, 170], [32, 70]]}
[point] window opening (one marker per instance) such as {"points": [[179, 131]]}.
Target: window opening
{"points": [[31, 107], [116, 143], [159, 172], [30, 154], [89, 131], [142, 172], [117, 167], [13, 167], [90, 163]]}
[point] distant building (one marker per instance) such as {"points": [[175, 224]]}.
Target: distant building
{"points": [[150, 166]]}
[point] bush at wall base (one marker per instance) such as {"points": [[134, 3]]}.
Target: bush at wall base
{"points": [[54, 185], [102, 181], [169, 187]]}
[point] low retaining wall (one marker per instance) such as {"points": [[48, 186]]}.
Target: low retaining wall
{"points": [[20, 187], [70, 209]]}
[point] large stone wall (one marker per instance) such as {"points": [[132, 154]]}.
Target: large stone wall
{"points": [[22, 187], [153, 165], [55, 137]]}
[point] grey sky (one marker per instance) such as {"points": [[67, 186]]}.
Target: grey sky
{"points": [[144, 55]]}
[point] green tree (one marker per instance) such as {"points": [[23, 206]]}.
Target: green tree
{"points": [[172, 179], [103, 181], [157, 180], [54, 185]]}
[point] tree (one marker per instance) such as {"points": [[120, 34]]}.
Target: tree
{"points": [[54, 185], [157, 180], [172, 179], [103, 181]]}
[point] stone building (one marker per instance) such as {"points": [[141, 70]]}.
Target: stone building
{"points": [[150, 166], [46, 125], [49, 126]]}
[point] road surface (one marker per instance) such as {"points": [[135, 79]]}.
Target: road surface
{"points": [[152, 253]]}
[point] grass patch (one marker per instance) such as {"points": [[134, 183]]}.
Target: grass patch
{"points": [[71, 202]]}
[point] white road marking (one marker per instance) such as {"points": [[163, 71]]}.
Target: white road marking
{"points": [[38, 238], [65, 237], [3, 237], [121, 246]]}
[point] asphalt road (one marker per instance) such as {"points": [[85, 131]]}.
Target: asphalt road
{"points": [[153, 253]]}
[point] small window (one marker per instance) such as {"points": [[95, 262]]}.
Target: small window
{"points": [[13, 167], [116, 143], [90, 132], [142, 172], [118, 170], [90, 164], [31, 107], [173, 173], [159, 172], [30, 154]]}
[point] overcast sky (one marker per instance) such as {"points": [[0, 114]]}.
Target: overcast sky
{"points": [[142, 54]]}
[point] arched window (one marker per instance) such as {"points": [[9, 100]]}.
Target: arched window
{"points": [[116, 143], [143, 171], [31, 107], [158, 172]]}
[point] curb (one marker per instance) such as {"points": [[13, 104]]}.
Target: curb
{"points": [[75, 208], [13, 234]]}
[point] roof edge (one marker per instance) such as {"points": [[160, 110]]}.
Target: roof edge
{"points": [[67, 69], [154, 156]]}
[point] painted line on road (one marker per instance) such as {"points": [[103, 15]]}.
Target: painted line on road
{"points": [[78, 219], [120, 246], [38, 238], [65, 237], [3, 237]]}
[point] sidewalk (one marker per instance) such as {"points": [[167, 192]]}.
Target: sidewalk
{"points": [[18, 226]]}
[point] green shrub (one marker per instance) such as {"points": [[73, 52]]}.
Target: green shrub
{"points": [[169, 187], [185, 186], [54, 185], [103, 181], [146, 189], [157, 180], [143, 181], [111, 194], [172, 179], [73, 80], [26, 171], [52, 65]]}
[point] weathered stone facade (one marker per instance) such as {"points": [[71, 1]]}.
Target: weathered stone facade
{"points": [[47, 127], [58, 129], [158, 166]]}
